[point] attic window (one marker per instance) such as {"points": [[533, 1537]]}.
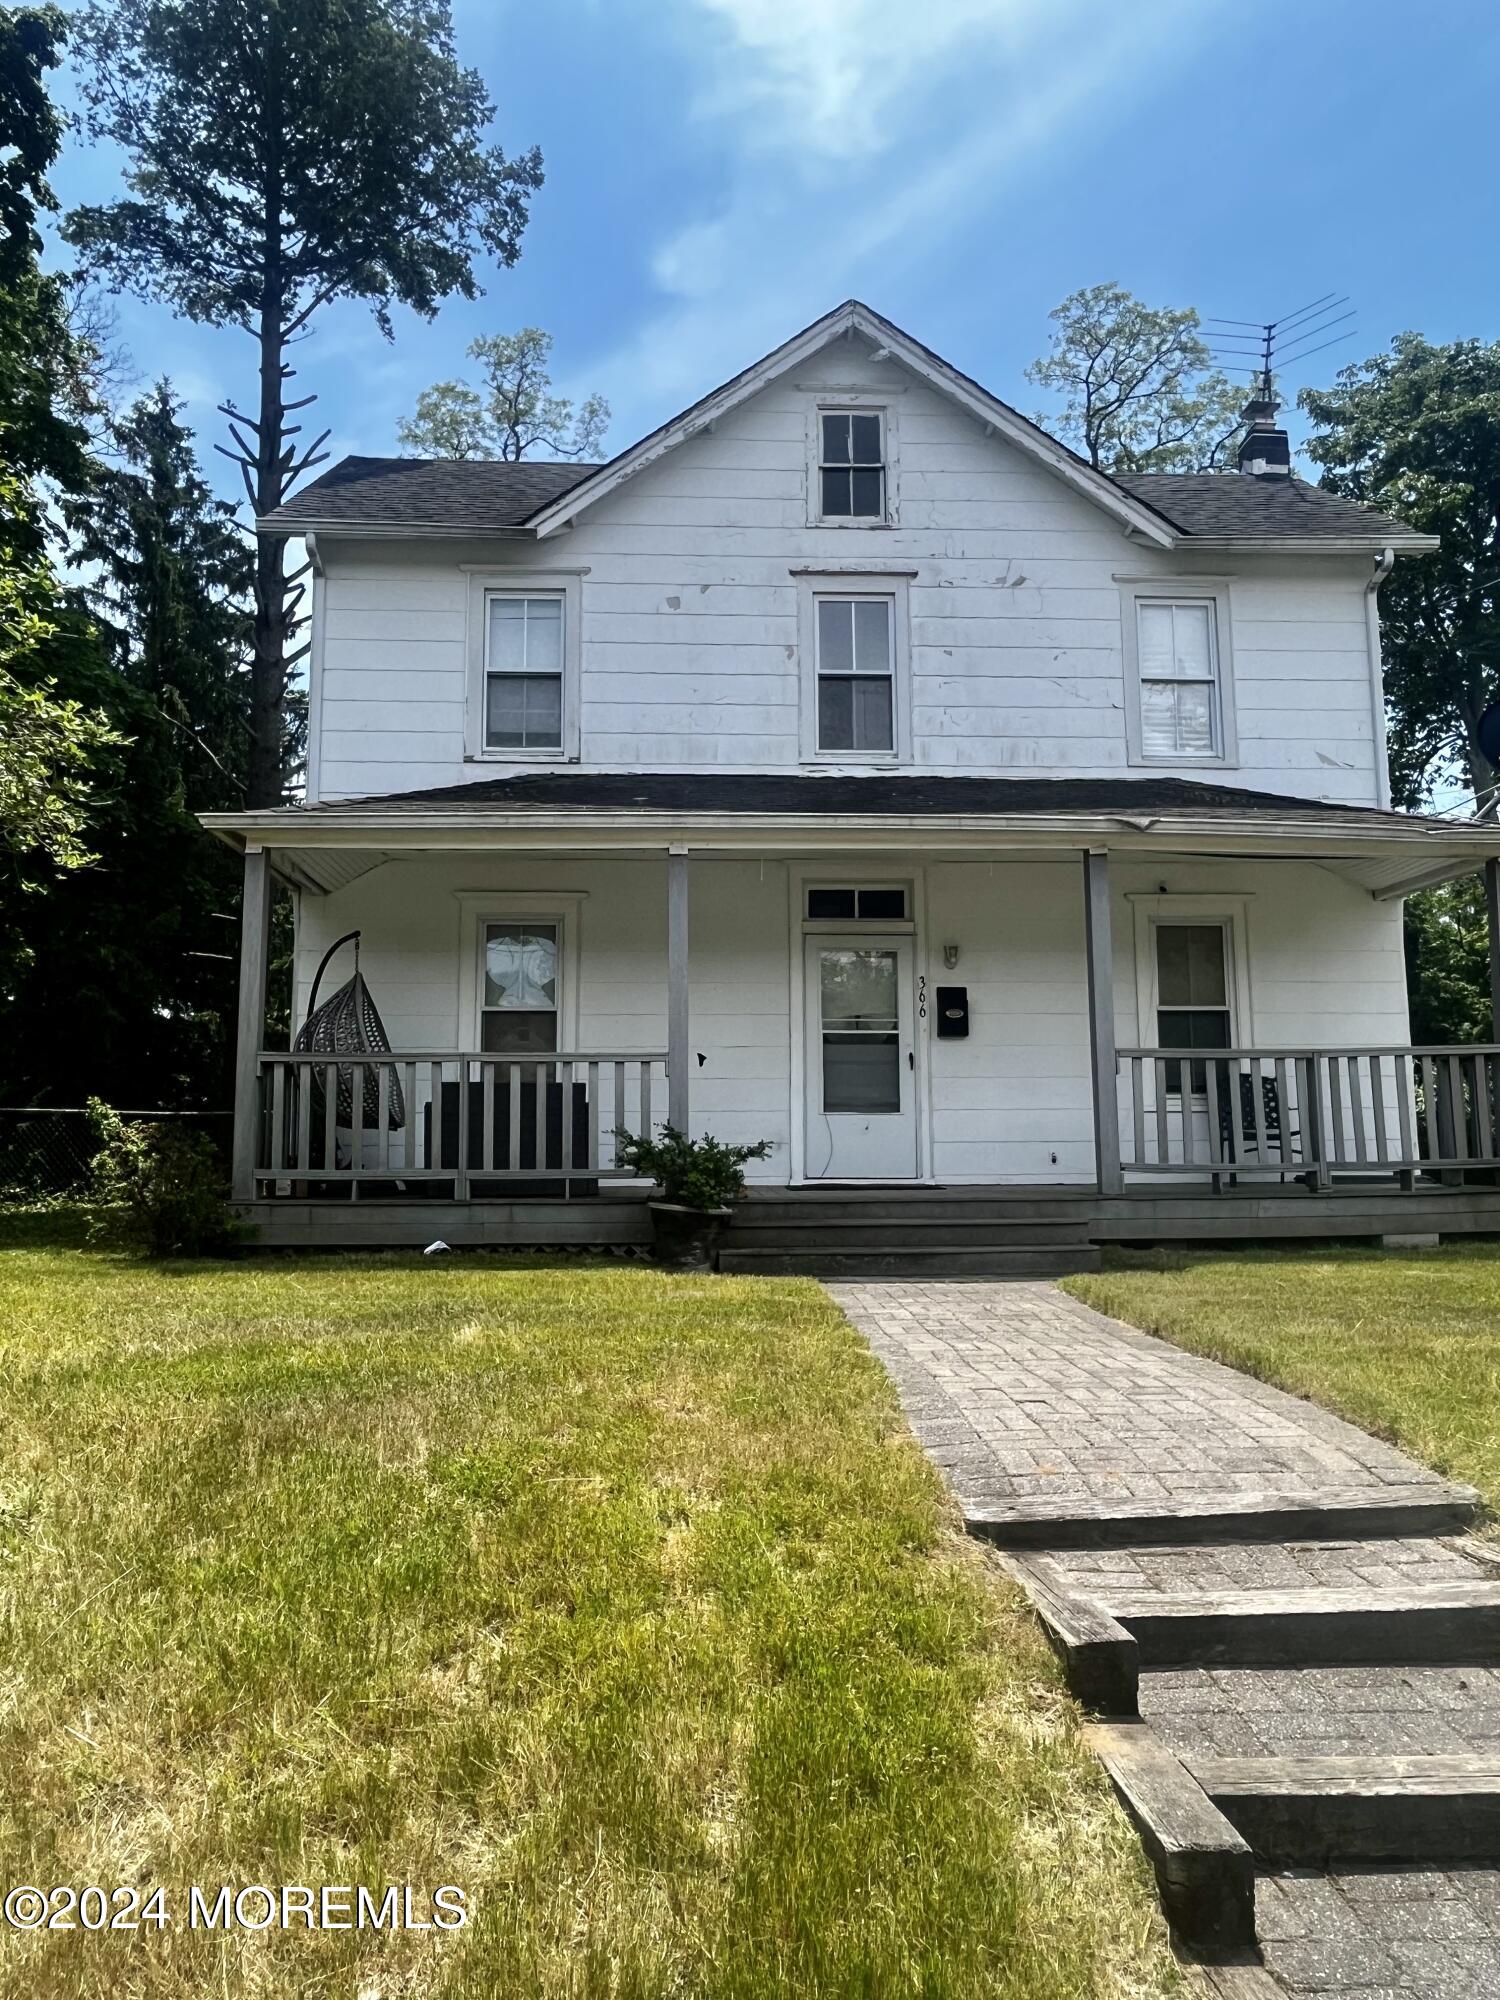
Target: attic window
{"points": [[851, 465]]}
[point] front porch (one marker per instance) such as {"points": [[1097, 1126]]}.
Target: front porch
{"points": [[974, 1045]]}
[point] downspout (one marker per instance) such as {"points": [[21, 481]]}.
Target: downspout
{"points": [[1385, 562]]}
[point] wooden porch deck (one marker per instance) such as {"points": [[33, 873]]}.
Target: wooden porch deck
{"points": [[945, 1231]]}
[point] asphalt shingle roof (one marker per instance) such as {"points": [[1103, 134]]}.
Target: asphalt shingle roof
{"points": [[1230, 503], [477, 493], [485, 494], [685, 793]]}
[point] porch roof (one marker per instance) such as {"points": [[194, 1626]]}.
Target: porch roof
{"points": [[1389, 853]]}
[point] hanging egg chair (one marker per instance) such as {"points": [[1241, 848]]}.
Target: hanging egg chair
{"points": [[348, 1024]]}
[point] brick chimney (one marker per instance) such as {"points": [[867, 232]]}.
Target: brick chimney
{"points": [[1266, 452]]}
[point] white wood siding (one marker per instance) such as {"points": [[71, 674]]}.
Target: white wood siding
{"points": [[689, 621], [1011, 1103]]}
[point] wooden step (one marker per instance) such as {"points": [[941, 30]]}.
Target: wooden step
{"points": [[1358, 1512], [1305, 1812], [1043, 1260], [915, 1232], [1205, 1873], [1454, 1624]]}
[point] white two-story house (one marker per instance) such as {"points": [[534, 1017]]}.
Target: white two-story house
{"points": [[847, 764]]}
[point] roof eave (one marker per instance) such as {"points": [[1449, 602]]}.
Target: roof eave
{"points": [[291, 827], [1312, 545], [385, 531]]}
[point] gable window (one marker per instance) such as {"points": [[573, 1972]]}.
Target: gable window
{"points": [[851, 465], [523, 672], [1192, 994], [518, 998], [856, 671]]}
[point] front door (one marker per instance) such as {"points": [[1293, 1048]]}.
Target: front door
{"points": [[861, 1075]]}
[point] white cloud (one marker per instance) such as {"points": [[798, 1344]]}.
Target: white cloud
{"points": [[862, 134], [827, 75]]}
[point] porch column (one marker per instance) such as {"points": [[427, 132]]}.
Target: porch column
{"points": [[1492, 907], [1101, 985], [255, 931], [678, 1054]]}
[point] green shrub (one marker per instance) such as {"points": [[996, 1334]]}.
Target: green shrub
{"points": [[160, 1189], [695, 1173]]}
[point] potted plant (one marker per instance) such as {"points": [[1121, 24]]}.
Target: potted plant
{"points": [[699, 1180]]}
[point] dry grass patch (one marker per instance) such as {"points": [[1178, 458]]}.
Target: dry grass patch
{"points": [[621, 1600]]}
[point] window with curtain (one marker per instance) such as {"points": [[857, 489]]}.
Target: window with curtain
{"points": [[518, 997], [1179, 666], [523, 686], [856, 674]]}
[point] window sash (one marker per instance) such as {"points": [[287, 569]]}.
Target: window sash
{"points": [[523, 1020], [1181, 709], [855, 675], [1200, 1020], [527, 687], [851, 465]]}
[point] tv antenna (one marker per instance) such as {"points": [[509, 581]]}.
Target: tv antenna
{"points": [[1262, 346]]}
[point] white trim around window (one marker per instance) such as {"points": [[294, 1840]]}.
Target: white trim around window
{"points": [[835, 587], [1203, 604], [523, 587], [854, 403], [1229, 913], [479, 907]]}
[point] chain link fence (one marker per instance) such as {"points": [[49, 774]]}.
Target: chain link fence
{"points": [[46, 1151]]}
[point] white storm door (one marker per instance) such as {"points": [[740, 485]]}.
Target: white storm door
{"points": [[861, 1078]]}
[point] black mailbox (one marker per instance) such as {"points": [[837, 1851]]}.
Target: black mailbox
{"points": [[952, 1013]]}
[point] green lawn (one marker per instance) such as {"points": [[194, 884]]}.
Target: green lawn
{"points": [[1405, 1343], [623, 1601]]}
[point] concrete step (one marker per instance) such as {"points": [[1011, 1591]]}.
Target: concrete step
{"points": [[1305, 1812], [1041, 1260]]}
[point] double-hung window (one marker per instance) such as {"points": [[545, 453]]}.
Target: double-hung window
{"points": [[518, 996], [1181, 700], [523, 671], [851, 465], [856, 674], [1192, 994]]}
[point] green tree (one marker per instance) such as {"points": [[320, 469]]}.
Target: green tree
{"points": [[173, 577], [283, 154], [515, 412], [122, 979], [46, 743], [44, 386], [1448, 963], [1416, 432], [1139, 387]]}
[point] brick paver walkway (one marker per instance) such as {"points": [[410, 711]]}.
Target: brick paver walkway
{"points": [[1017, 1391], [1026, 1398]]}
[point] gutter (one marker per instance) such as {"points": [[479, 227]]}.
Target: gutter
{"points": [[1385, 562]]}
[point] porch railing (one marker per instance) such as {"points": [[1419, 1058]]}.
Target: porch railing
{"points": [[458, 1119], [1309, 1113]]}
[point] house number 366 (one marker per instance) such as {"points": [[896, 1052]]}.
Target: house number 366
{"points": [[922, 996]]}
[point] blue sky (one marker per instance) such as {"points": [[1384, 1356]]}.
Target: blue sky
{"points": [[719, 172]]}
